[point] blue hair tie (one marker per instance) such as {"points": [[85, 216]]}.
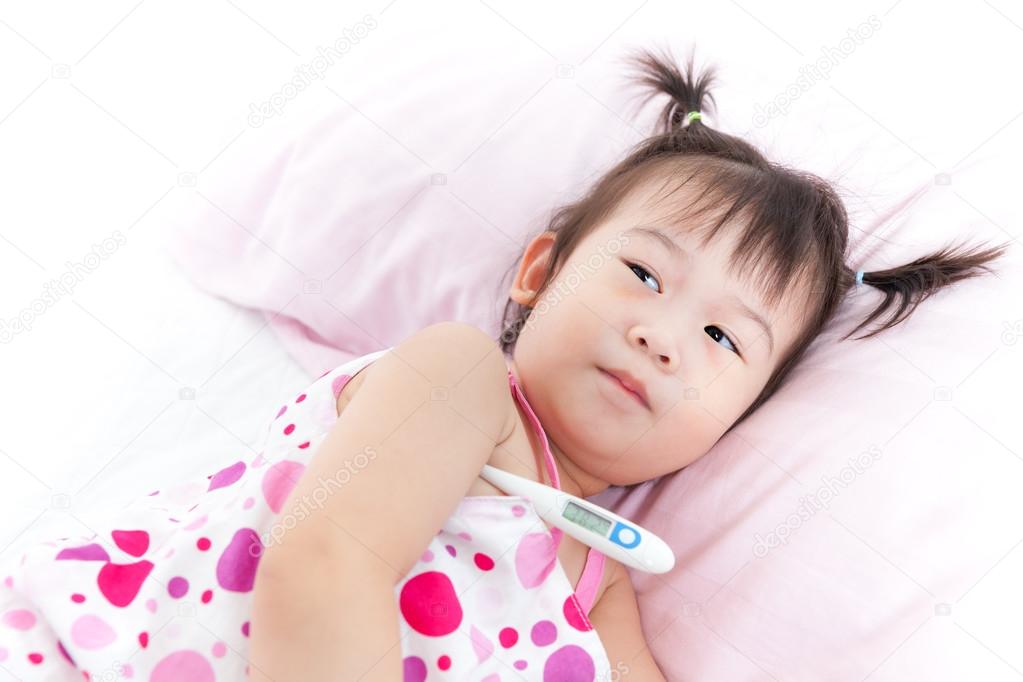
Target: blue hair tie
{"points": [[859, 277]]}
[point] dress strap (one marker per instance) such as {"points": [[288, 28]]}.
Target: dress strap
{"points": [[552, 469]]}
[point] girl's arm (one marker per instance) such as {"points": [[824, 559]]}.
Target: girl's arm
{"points": [[616, 619], [418, 431]]}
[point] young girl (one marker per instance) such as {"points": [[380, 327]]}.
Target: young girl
{"points": [[649, 319]]}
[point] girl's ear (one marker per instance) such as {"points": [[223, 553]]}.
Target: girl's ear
{"points": [[532, 269]]}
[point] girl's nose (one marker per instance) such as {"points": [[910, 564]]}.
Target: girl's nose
{"points": [[655, 343]]}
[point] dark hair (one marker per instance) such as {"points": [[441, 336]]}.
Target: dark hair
{"points": [[795, 227]]}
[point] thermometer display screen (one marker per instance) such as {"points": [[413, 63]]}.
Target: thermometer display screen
{"points": [[586, 518]]}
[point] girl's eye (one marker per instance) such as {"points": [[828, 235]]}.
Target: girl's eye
{"points": [[643, 274], [642, 270], [725, 337]]}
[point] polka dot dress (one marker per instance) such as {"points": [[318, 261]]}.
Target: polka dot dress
{"points": [[166, 594]]}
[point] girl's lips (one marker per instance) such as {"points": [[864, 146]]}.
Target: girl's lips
{"points": [[635, 396]]}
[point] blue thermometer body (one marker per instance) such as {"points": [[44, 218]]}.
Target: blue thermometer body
{"points": [[589, 523]]}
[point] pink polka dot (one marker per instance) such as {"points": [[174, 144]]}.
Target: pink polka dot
{"points": [[236, 567], [35, 658], [427, 556], [300, 398], [77, 598], [219, 649], [227, 476], [520, 664], [508, 637], [414, 669], [465, 536], [177, 587], [450, 549], [518, 510], [249, 501], [245, 628], [492, 678], [543, 633], [289, 429], [151, 605], [203, 544], [19, 619], [284, 409], [207, 596], [183, 665], [92, 632], [197, 523], [430, 605], [570, 663], [444, 662], [481, 644], [483, 562], [304, 445], [278, 482]]}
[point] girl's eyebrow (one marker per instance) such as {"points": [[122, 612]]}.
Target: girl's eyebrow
{"points": [[732, 300]]}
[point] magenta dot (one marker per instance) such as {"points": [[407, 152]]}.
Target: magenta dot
{"points": [[451, 550], [283, 410], [203, 544], [288, 429], [543, 633], [414, 669], [77, 598], [443, 662], [430, 604], [206, 596], [245, 628], [570, 663], [177, 587], [520, 664], [300, 398], [427, 556], [518, 510], [35, 658], [304, 445], [483, 562], [508, 637]]}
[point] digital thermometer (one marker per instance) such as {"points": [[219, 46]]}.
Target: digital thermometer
{"points": [[589, 523]]}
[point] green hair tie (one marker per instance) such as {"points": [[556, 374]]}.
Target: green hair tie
{"points": [[694, 116]]}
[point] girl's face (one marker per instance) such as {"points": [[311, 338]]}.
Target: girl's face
{"points": [[625, 300]]}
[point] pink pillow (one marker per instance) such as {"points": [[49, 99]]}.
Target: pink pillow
{"points": [[841, 531]]}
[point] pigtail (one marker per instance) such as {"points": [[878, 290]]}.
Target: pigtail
{"points": [[686, 94], [907, 286]]}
